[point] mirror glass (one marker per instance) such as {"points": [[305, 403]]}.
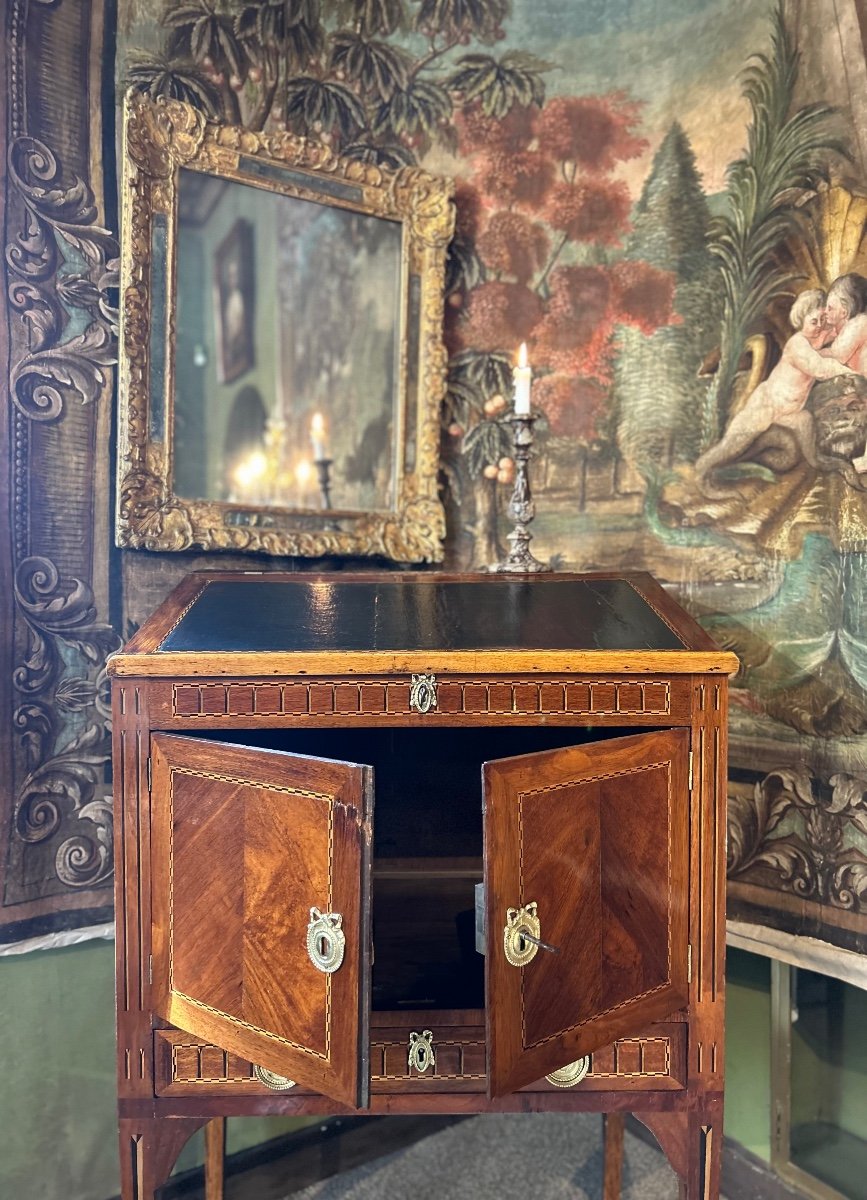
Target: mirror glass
{"points": [[286, 324], [281, 365]]}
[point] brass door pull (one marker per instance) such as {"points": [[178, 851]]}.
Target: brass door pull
{"points": [[569, 1075], [326, 941], [277, 1083]]}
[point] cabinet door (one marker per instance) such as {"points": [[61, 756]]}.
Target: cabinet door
{"points": [[245, 845], [592, 842]]}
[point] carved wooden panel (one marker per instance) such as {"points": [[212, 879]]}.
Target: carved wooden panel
{"points": [[637, 700], [57, 330]]}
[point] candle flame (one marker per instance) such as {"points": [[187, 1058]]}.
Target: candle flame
{"points": [[250, 469], [522, 355], [317, 425]]}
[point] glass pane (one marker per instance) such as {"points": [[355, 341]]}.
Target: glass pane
{"points": [[829, 1082], [287, 349]]}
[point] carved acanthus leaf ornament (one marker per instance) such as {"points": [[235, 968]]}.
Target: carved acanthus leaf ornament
{"points": [[802, 835]]}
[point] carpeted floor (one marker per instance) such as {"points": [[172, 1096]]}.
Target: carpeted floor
{"points": [[550, 1156]]}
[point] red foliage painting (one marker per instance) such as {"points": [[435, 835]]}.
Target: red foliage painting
{"points": [[546, 204]]}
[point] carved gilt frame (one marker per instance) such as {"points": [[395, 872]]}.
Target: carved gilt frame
{"points": [[159, 138]]}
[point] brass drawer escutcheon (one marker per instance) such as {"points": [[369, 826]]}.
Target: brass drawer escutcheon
{"points": [[569, 1075], [277, 1083], [421, 1052], [423, 693], [520, 949], [326, 941]]}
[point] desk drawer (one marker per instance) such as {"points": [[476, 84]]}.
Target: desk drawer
{"points": [[653, 1061], [364, 700]]}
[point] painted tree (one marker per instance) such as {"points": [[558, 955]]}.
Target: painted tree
{"points": [[786, 152], [336, 69], [538, 218], [547, 213], [659, 395]]}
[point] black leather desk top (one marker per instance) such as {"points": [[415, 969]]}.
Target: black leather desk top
{"points": [[258, 614]]}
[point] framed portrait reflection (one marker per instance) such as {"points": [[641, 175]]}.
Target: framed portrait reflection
{"points": [[234, 294]]}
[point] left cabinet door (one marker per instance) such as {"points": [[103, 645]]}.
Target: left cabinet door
{"points": [[249, 848]]}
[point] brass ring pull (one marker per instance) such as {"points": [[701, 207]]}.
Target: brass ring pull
{"points": [[326, 940], [421, 1052], [277, 1083], [521, 935], [569, 1075], [423, 693]]}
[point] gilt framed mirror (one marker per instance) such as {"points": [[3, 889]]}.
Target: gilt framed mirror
{"points": [[282, 363]]}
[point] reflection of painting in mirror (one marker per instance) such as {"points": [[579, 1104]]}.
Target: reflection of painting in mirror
{"points": [[302, 353], [235, 296]]}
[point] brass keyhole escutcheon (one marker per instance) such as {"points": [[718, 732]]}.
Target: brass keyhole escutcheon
{"points": [[519, 949], [569, 1075], [423, 693], [421, 1051], [277, 1083], [326, 941]]}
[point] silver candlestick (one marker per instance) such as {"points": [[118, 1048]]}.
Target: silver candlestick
{"points": [[323, 472], [522, 508]]}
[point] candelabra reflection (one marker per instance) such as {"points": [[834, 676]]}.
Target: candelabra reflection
{"points": [[271, 474]]}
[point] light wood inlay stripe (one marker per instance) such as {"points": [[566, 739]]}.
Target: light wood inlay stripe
{"points": [[390, 697], [631, 771], [261, 786]]}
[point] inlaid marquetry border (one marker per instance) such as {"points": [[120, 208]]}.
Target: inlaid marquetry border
{"points": [[594, 778], [179, 1075], [432, 1076], [389, 697], [236, 1072], [200, 1004], [620, 1047]]}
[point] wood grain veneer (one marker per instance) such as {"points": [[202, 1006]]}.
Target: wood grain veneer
{"points": [[246, 783]]}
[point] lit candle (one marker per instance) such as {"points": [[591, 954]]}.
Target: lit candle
{"points": [[317, 437], [523, 375], [250, 471], [303, 475]]}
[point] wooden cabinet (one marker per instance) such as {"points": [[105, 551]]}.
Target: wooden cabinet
{"points": [[419, 843]]}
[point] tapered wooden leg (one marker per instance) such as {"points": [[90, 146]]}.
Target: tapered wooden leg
{"points": [[149, 1148], [215, 1158], [692, 1143], [613, 1125], [704, 1153]]}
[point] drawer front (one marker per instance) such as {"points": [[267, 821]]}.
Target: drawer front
{"points": [[654, 1061], [185, 1066], [368, 699]]}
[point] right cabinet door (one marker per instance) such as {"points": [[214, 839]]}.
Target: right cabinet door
{"points": [[587, 891]]}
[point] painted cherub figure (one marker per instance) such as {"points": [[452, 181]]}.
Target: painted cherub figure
{"points": [[846, 325], [846, 322], [781, 398]]}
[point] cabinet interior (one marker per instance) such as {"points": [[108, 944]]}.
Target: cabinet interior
{"points": [[428, 840]]}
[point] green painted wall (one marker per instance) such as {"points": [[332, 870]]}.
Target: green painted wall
{"points": [[58, 1120], [829, 1055], [57, 1098], [748, 1051]]}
